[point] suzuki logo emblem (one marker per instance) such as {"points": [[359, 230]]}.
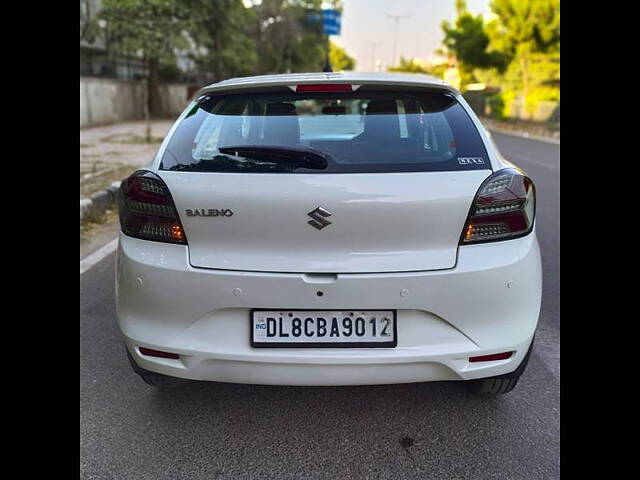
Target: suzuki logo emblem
{"points": [[319, 221]]}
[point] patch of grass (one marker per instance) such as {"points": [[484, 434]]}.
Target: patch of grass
{"points": [[129, 139], [100, 182], [532, 127], [92, 168], [94, 219]]}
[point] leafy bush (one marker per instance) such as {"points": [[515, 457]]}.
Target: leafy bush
{"points": [[541, 94], [169, 73], [496, 106]]}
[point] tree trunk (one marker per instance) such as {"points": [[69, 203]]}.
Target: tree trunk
{"points": [[153, 88], [147, 119], [260, 46], [524, 68], [218, 62]]}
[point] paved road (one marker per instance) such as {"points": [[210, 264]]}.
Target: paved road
{"points": [[426, 431]]}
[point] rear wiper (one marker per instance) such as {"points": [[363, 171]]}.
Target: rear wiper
{"points": [[305, 157]]}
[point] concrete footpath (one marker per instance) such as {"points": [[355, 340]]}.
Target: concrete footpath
{"points": [[523, 130], [121, 143], [110, 153]]}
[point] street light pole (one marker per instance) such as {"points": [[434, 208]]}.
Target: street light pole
{"points": [[327, 66], [373, 55], [395, 18]]}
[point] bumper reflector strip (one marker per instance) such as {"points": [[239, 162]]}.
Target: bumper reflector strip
{"points": [[157, 353], [493, 356]]}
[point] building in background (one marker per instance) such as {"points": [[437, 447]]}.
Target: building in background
{"points": [[93, 51], [96, 60]]}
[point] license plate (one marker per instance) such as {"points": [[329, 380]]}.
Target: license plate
{"points": [[323, 328]]}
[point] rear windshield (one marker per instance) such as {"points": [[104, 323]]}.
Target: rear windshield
{"points": [[337, 132]]}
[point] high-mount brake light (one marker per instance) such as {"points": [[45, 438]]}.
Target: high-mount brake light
{"points": [[147, 210], [504, 208], [326, 87]]}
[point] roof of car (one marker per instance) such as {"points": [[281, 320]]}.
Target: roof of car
{"points": [[355, 78]]}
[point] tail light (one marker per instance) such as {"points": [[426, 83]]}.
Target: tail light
{"points": [[147, 210], [504, 208]]}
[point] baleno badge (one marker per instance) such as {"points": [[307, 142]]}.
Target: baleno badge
{"points": [[319, 221], [210, 212]]}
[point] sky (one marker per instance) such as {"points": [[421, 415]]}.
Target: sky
{"points": [[419, 35]]}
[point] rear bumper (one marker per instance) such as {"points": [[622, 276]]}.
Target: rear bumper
{"points": [[488, 303]]}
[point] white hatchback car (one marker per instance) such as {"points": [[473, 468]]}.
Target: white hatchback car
{"points": [[329, 229]]}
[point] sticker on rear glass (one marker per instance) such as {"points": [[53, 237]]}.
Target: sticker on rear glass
{"points": [[470, 160]]}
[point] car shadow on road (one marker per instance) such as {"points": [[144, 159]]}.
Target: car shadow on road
{"points": [[304, 412], [412, 430], [260, 402]]}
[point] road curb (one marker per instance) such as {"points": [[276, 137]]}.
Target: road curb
{"points": [[100, 201], [522, 134]]}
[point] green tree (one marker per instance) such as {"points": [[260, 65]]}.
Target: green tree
{"points": [[147, 29], [408, 65], [527, 33], [339, 58], [222, 34], [286, 40], [518, 50], [411, 66], [468, 41]]}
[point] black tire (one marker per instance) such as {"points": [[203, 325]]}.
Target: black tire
{"points": [[500, 384], [489, 387], [155, 379]]}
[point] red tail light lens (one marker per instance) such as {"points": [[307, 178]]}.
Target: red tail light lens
{"points": [[504, 208], [147, 210]]}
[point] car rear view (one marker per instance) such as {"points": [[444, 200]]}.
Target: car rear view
{"points": [[334, 229]]}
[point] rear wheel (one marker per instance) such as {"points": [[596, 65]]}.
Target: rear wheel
{"points": [[500, 384], [155, 379]]}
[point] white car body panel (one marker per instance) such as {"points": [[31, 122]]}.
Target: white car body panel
{"points": [[393, 244], [488, 303], [380, 222]]}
